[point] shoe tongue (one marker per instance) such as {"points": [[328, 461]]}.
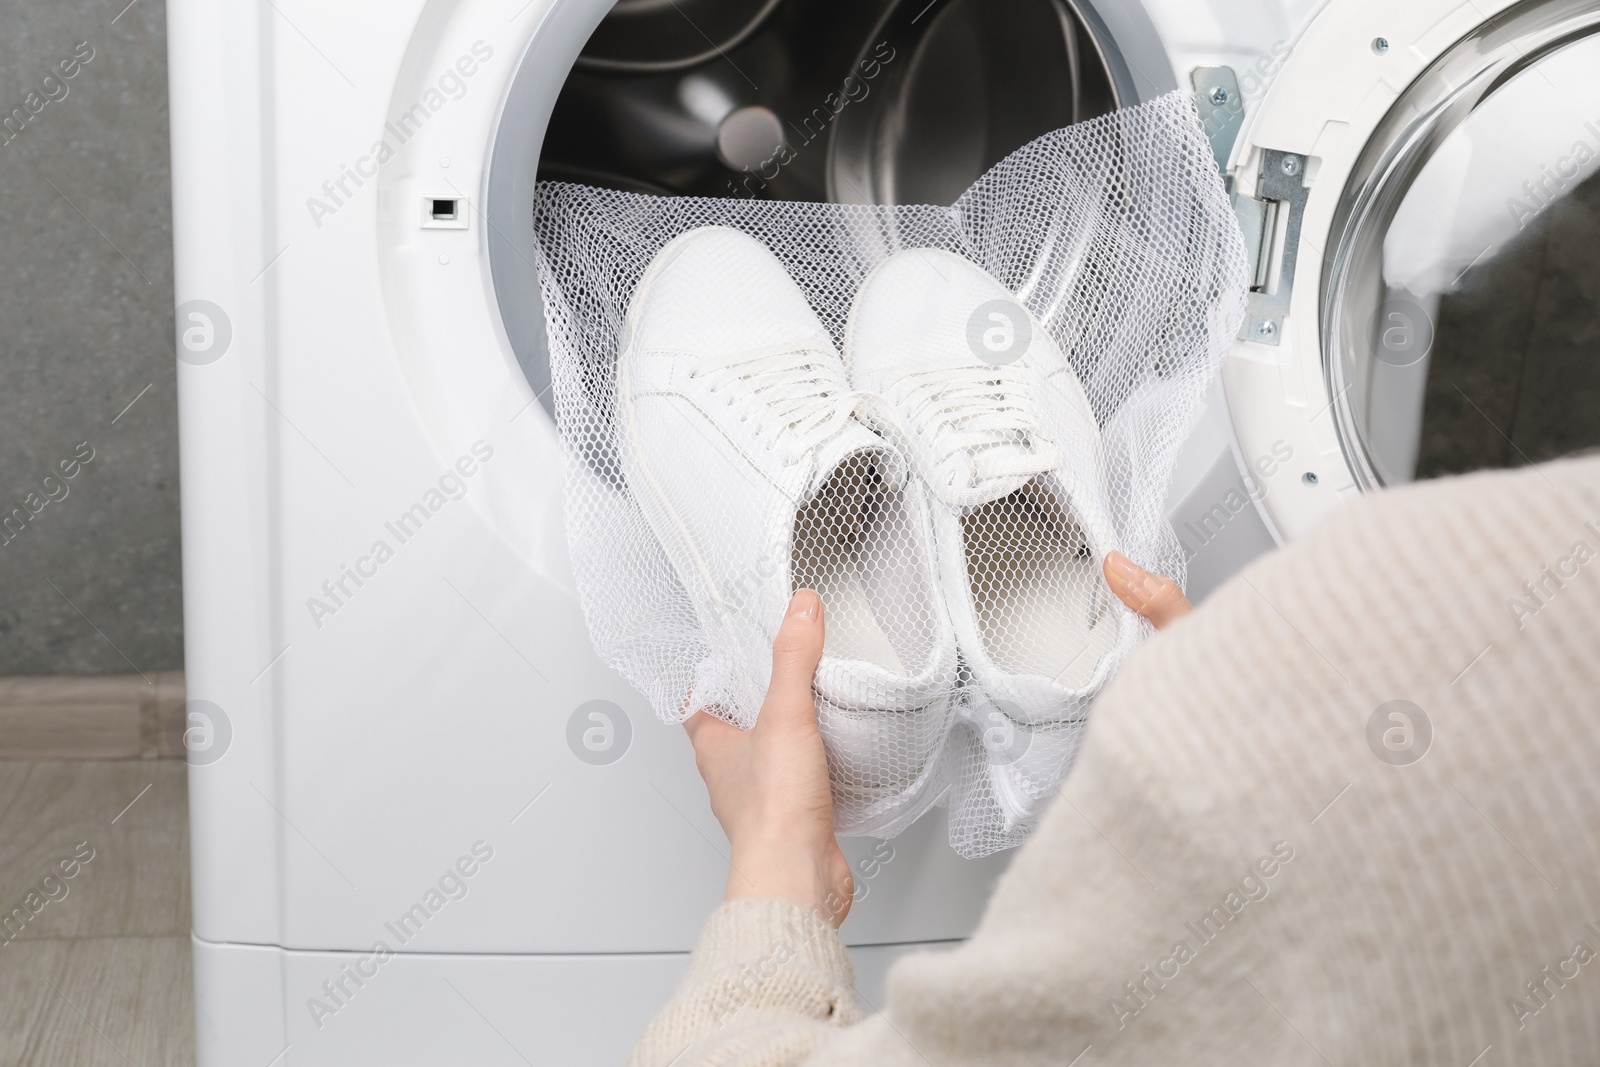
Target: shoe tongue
{"points": [[978, 475], [854, 440]]}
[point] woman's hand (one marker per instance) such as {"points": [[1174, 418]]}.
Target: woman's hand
{"points": [[769, 785], [1154, 596]]}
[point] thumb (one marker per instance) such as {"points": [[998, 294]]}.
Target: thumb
{"points": [[1154, 596], [795, 652]]}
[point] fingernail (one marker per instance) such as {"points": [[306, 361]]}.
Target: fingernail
{"points": [[804, 604], [1123, 567]]}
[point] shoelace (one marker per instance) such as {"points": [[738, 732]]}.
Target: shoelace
{"points": [[981, 415], [798, 390]]}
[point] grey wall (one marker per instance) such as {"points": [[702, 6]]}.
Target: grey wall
{"points": [[91, 584]]}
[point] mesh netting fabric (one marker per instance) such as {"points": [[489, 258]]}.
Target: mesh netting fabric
{"points": [[792, 400]]}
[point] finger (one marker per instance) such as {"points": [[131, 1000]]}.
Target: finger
{"points": [[795, 652], [704, 727], [1154, 596]]}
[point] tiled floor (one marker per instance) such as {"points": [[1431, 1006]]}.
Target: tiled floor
{"points": [[95, 969]]}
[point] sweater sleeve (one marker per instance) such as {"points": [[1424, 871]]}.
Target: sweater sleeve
{"points": [[1241, 868], [767, 983]]}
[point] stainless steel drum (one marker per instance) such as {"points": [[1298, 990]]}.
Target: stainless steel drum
{"points": [[841, 100]]}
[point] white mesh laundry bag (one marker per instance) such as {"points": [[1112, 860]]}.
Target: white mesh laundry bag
{"points": [[939, 418]]}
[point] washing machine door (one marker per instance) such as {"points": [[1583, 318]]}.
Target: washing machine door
{"points": [[1418, 191]]}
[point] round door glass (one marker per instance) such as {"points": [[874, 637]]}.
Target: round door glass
{"points": [[1463, 302]]}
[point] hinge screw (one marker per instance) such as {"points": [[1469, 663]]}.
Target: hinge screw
{"points": [[1291, 165], [1380, 45], [1218, 95], [1266, 329]]}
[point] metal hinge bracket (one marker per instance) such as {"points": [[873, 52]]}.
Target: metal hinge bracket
{"points": [[1280, 189]]}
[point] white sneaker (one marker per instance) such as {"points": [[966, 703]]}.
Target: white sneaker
{"points": [[737, 440], [999, 427]]}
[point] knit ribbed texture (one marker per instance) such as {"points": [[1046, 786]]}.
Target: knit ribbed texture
{"points": [[1233, 874], [765, 978]]}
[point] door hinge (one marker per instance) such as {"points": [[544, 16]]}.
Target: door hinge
{"points": [[1271, 223]]}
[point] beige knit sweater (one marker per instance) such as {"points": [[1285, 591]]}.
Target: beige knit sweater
{"points": [[1231, 875]]}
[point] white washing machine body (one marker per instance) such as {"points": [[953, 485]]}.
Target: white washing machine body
{"points": [[409, 844]]}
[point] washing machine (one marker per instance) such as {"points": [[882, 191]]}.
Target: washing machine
{"points": [[427, 824]]}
